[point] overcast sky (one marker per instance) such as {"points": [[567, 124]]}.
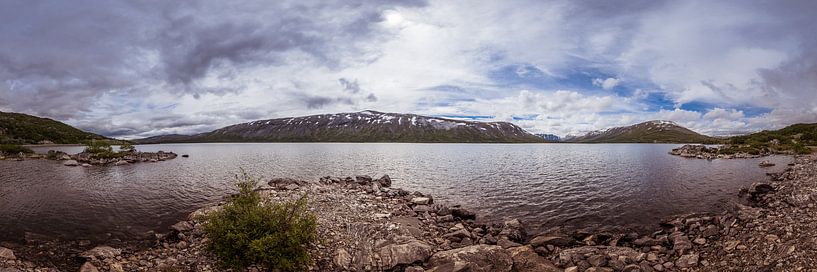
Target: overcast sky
{"points": [[143, 68]]}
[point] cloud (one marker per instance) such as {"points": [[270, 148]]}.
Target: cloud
{"points": [[606, 84], [143, 68]]}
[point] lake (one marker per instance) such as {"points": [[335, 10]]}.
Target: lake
{"points": [[545, 185]]}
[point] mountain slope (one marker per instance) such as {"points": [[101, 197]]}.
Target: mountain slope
{"points": [[647, 132], [364, 126], [18, 128], [794, 137]]}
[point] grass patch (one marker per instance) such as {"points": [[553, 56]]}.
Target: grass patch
{"points": [[12, 149], [247, 232]]}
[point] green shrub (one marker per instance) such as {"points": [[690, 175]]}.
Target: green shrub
{"points": [[101, 150], [12, 149], [126, 147], [273, 235]]}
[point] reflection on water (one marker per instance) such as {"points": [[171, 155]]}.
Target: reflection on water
{"points": [[543, 184]]}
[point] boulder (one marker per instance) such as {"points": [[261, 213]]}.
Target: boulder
{"points": [[421, 200], [6, 254], [117, 163], [363, 180], [476, 258], [544, 240], [463, 214], [182, 226], [525, 259], [680, 242], [385, 181], [513, 230], [88, 267], [70, 163], [101, 252], [394, 255], [687, 261]]}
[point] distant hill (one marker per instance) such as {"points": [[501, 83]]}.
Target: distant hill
{"points": [[647, 132], [549, 137], [364, 126], [794, 137], [18, 128]]}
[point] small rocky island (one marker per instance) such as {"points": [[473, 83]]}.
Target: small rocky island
{"points": [[94, 154], [723, 152], [366, 225]]}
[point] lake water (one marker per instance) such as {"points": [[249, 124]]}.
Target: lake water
{"points": [[574, 185]]}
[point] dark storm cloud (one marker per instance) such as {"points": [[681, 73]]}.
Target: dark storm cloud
{"points": [[349, 85], [57, 58]]}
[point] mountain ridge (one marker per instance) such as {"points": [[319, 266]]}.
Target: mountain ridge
{"points": [[363, 126], [655, 131]]}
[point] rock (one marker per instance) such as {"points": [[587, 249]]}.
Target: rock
{"points": [[680, 242], [572, 269], [646, 241], [385, 181], [86, 165], [766, 164], [687, 261], [116, 267], [422, 208], [505, 243], [182, 245], [709, 231], [70, 163], [342, 259], [412, 252], [730, 245], [525, 259], [700, 241], [185, 156], [545, 240], [7, 254], [476, 258], [182, 226], [414, 269], [461, 233], [363, 179], [88, 267], [463, 214], [101, 252], [421, 200], [121, 162], [513, 230], [597, 260]]}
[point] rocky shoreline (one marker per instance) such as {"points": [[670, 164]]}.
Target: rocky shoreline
{"points": [[86, 159], [711, 153], [365, 225]]}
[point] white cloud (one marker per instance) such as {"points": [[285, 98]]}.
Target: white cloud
{"points": [[606, 84]]}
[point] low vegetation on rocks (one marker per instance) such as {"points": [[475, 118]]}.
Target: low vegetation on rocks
{"points": [[247, 232], [12, 149]]}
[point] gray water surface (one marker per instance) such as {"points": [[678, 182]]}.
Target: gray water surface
{"points": [[545, 185]]}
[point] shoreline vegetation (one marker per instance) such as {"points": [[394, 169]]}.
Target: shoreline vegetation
{"points": [[95, 153], [366, 225]]}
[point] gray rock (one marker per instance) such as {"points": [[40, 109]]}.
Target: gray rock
{"points": [[412, 252], [544, 240], [70, 163], [384, 181], [421, 200], [463, 214], [513, 230], [363, 179], [687, 261], [477, 258], [597, 260], [88, 267], [505, 243], [101, 252], [709, 231], [525, 259], [680, 242], [182, 226], [7, 254]]}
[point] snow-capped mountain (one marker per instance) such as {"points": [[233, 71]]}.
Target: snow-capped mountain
{"points": [[364, 126], [657, 131]]}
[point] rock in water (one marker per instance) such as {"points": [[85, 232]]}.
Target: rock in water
{"points": [[514, 231], [477, 258], [70, 163], [385, 181]]}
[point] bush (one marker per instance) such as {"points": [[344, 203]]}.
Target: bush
{"points": [[12, 149], [126, 147], [247, 232], [101, 150]]}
